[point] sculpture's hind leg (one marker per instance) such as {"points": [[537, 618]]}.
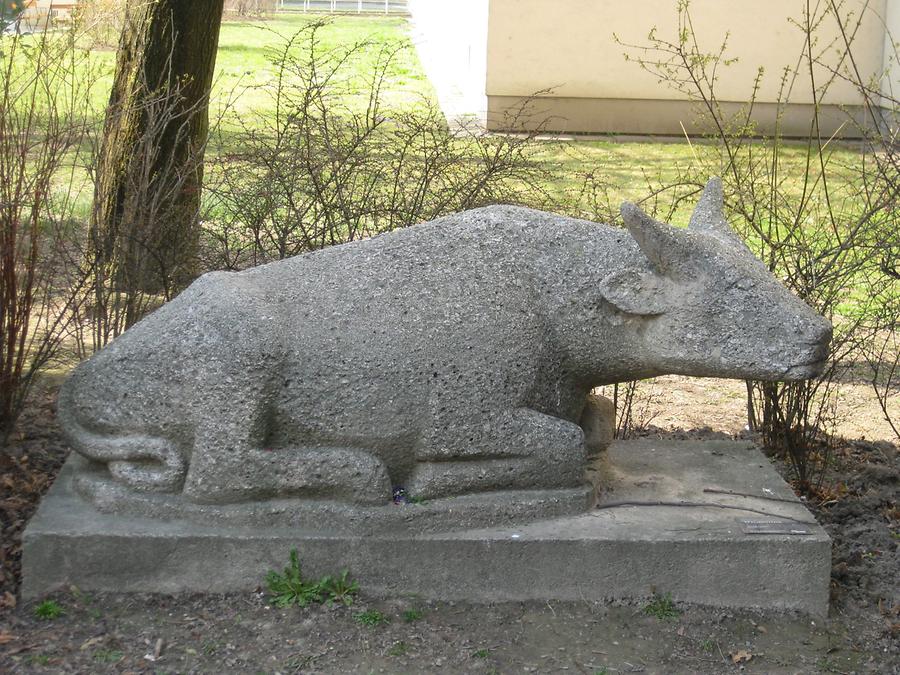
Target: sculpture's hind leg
{"points": [[344, 474], [230, 461], [515, 449]]}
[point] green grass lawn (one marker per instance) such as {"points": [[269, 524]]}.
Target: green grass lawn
{"points": [[244, 67], [245, 72], [247, 48]]}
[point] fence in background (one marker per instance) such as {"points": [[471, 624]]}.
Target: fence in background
{"points": [[345, 6]]}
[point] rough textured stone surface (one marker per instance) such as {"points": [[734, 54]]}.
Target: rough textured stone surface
{"points": [[698, 554], [451, 358], [330, 516], [598, 421]]}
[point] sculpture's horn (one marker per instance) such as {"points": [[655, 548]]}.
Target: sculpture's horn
{"points": [[709, 214], [661, 243]]}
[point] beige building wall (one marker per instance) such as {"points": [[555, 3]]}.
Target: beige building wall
{"points": [[41, 14], [890, 84], [569, 47]]}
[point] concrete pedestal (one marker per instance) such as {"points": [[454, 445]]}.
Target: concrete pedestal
{"points": [[709, 522]]}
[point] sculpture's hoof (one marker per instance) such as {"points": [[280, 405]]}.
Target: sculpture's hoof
{"points": [[370, 484], [361, 478]]}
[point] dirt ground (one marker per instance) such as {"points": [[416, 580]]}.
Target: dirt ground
{"points": [[244, 633]]}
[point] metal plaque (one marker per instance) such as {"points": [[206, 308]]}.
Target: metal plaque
{"points": [[773, 526]]}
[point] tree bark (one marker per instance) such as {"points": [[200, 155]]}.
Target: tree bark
{"points": [[150, 168]]}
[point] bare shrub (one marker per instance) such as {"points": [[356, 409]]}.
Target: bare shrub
{"points": [[142, 246], [826, 235], [100, 21], [635, 404], [124, 258], [45, 113], [334, 163], [882, 356]]}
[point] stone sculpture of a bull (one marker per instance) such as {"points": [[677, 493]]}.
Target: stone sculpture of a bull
{"points": [[450, 357]]}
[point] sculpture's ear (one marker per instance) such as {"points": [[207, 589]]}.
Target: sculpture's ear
{"points": [[663, 245], [709, 214], [635, 292]]}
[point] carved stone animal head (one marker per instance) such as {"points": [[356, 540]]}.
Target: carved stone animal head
{"points": [[710, 307]]}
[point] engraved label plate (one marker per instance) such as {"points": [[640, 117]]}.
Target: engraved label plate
{"points": [[773, 526]]}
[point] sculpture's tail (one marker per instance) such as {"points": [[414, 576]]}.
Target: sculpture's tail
{"points": [[143, 462]]}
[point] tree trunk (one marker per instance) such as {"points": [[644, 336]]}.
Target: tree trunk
{"points": [[150, 169]]}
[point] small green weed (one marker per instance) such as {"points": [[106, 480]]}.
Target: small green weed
{"points": [[79, 595], [707, 645], [290, 588], [398, 649], [412, 615], [662, 607], [38, 659], [481, 654], [298, 662], [602, 671], [339, 589], [371, 617], [107, 655], [826, 665], [49, 610]]}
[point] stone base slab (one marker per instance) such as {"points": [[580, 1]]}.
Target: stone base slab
{"points": [[320, 517], [709, 522]]}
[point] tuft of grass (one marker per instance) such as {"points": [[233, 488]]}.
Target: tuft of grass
{"points": [[412, 615], [108, 655], [371, 617], [398, 649], [662, 607], [481, 653], [49, 610]]}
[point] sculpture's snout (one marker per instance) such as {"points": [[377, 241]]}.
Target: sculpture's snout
{"points": [[813, 357]]}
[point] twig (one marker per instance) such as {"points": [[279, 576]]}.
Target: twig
{"points": [[720, 652], [615, 504], [747, 494], [18, 650]]}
